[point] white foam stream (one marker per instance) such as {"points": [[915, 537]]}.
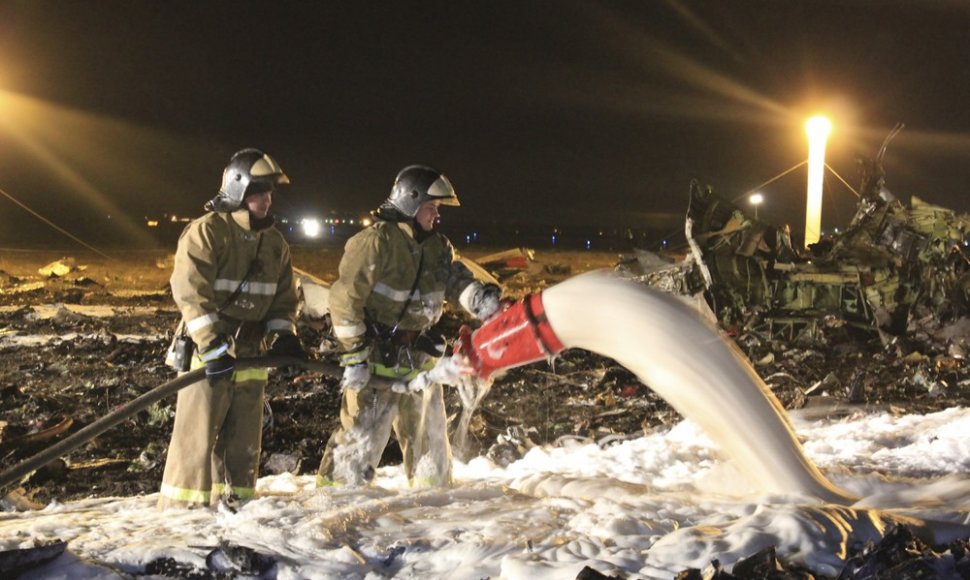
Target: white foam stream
{"points": [[697, 371]]}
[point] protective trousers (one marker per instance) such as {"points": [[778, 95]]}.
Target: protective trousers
{"points": [[215, 448], [367, 417]]}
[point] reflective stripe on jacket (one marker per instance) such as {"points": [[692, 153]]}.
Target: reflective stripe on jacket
{"points": [[214, 254], [376, 274]]}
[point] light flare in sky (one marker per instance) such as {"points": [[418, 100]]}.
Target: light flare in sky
{"points": [[720, 96], [708, 93], [91, 155]]}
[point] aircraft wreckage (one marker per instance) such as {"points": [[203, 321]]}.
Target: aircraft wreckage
{"points": [[894, 271]]}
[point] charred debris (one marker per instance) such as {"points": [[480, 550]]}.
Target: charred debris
{"points": [[893, 289]]}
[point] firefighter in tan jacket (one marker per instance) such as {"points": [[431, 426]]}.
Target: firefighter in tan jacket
{"points": [[233, 283], [393, 280]]}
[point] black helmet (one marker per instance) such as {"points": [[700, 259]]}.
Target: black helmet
{"points": [[417, 184], [249, 171]]}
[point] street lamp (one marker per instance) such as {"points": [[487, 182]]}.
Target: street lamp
{"points": [[756, 199], [818, 129]]}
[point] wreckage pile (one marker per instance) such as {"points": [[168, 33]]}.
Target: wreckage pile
{"points": [[878, 314]]}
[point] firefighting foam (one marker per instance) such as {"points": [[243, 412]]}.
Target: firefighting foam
{"points": [[698, 372]]}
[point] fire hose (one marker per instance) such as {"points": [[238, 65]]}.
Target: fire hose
{"points": [[522, 331], [15, 473]]}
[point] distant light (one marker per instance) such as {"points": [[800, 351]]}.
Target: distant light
{"points": [[475, 236], [818, 129], [311, 227], [468, 238], [756, 199], [175, 218], [554, 239], [589, 244], [152, 223], [366, 222]]}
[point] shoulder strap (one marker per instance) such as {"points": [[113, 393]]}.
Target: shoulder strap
{"points": [[417, 278], [249, 272]]}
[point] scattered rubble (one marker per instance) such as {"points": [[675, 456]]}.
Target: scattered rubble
{"points": [[71, 352], [60, 268], [15, 562], [899, 555]]}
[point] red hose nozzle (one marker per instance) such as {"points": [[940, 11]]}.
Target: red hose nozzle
{"points": [[517, 336]]}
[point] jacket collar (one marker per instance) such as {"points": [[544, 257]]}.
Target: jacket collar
{"points": [[241, 217], [407, 229]]}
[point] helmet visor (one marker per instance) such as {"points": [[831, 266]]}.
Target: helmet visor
{"points": [[266, 169], [441, 190]]}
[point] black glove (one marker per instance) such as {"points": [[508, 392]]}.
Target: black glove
{"points": [[220, 368], [288, 345], [219, 363]]}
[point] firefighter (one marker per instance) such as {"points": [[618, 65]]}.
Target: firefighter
{"points": [[233, 283], [393, 280]]}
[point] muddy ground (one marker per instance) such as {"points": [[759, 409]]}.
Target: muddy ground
{"points": [[88, 365]]}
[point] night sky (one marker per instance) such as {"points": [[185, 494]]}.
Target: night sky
{"points": [[592, 113]]}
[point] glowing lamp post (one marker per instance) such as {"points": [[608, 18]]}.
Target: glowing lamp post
{"points": [[756, 199], [818, 131]]}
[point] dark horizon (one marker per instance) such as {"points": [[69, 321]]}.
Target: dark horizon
{"points": [[593, 114], [463, 234]]}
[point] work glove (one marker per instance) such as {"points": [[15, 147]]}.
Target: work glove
{"points": [[219, 362], [485, 302], [355, 377], [356, 370], [449, 370], [287, 344]]}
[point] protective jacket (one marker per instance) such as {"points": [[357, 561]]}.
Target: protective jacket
{"points": [[390, 285], [229, 280], [216, 253], [377, 275]]}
